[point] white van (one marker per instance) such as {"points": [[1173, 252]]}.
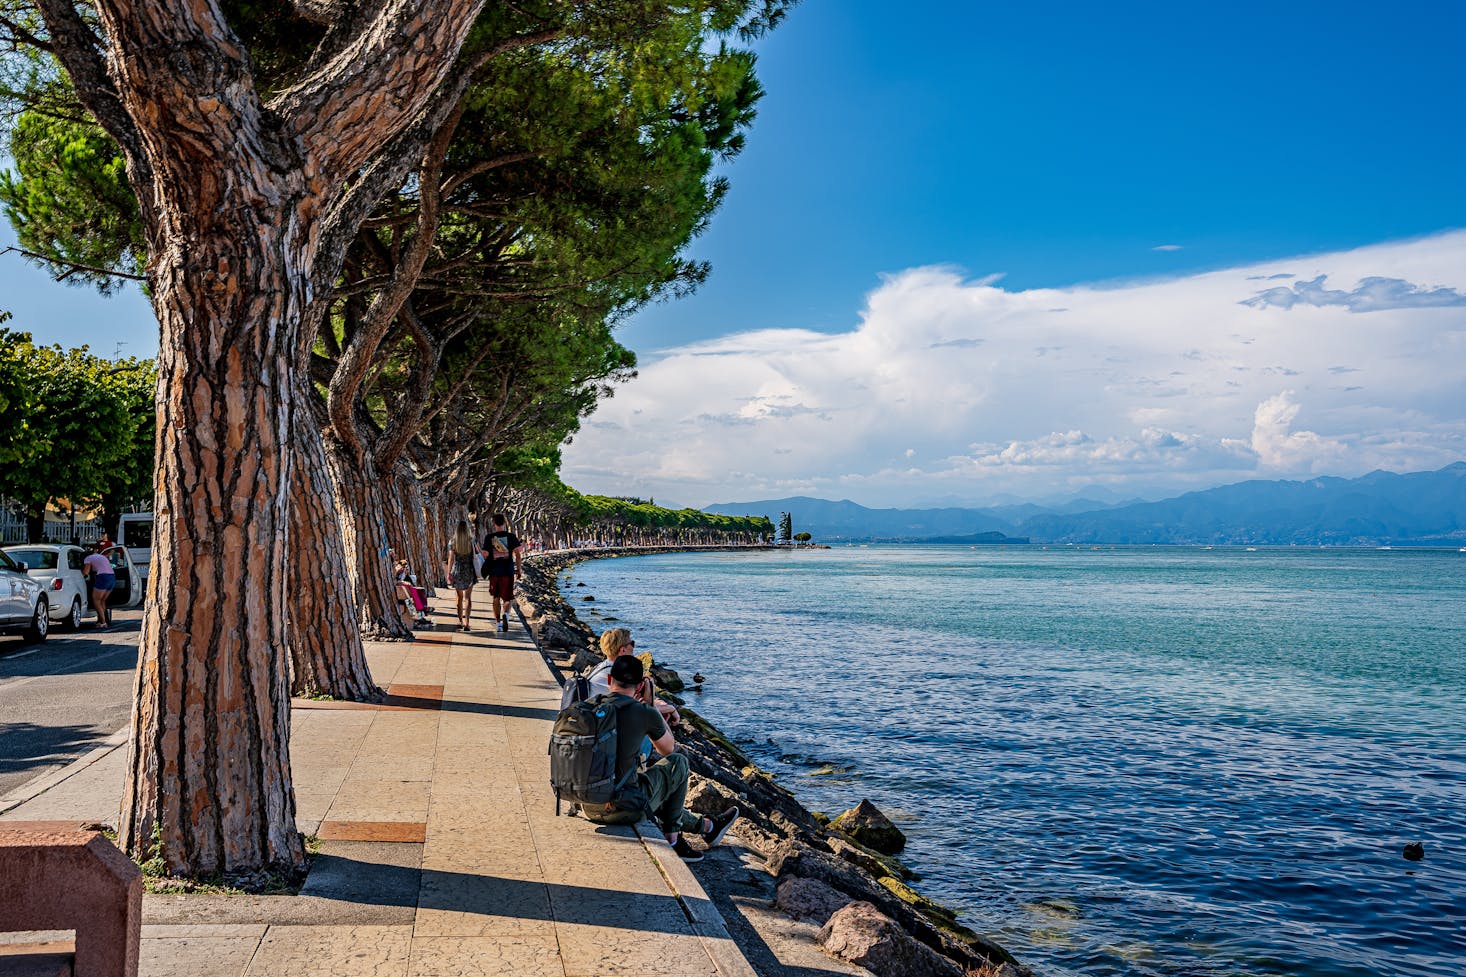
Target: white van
{"points": [[135, 532]]}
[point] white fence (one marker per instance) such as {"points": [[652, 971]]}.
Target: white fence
{"points": [[57, 530]]}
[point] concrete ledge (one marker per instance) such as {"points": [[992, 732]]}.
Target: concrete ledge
{"points": [[58, 877], [707, 922]]}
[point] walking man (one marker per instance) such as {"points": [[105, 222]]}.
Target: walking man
{"points": [[502, 551]]}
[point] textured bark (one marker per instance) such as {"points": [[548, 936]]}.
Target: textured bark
{"points": [[326, 653], [361, 514], [235, 195], [209, 765]]}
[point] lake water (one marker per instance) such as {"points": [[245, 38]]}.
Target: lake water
{"points": [[1140, 761]]}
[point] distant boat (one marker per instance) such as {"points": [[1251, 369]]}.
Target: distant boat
{"points": [[1384, 547], [1252, 549]]}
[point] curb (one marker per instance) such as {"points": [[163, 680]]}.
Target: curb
{"points": [[35, 788], [702, 913]]}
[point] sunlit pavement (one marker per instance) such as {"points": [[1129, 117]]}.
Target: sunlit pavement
{"points": [[64, 696], [440, 849]]}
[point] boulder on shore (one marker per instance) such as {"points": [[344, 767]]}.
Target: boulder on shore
{"points": [[866, 824], [810, 899], [861, 934]]}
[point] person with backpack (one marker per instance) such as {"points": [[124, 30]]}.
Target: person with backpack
{"points": [[616, 642], [627, 792], [502, 554]]}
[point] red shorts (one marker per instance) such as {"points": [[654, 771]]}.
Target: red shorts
{"points": [[502, 587]]}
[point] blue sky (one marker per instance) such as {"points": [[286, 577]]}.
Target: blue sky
{"points": [[1170, 152], [1057, 143]]}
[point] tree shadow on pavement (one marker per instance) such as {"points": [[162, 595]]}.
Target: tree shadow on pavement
{"points": [[27, 746]]}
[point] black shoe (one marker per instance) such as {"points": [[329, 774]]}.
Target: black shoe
{"points": [[505, 628], [685, 851], [721, 823]]}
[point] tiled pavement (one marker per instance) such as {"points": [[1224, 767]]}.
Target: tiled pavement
{"points": [[440, 852]]}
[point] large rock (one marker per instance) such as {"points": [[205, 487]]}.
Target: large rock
{"points": [[937, 931], [707, 797], [876, 865], [866, 824], [861, 934], [810, 900]]}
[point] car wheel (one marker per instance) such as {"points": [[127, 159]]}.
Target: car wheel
{"points": [[73, 620], [40, 623]]}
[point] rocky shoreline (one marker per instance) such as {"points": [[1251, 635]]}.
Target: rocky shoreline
{"points": [[839, 874]]}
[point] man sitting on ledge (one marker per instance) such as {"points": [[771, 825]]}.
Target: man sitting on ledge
{"points": [[664, 782]]}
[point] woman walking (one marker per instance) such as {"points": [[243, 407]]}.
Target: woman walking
{"points": [[460, 571]]}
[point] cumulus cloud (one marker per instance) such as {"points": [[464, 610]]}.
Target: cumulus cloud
{"points": [[1370, 295], [1279, 446], [948, 388]]}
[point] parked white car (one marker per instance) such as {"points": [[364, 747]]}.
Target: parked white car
{"points": [[58, 569], [24, 609]]}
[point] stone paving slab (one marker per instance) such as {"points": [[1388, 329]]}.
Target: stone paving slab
{"points": [[440, 852]]}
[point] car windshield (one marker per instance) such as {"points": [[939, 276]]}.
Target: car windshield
{"points": [[34, 559]]}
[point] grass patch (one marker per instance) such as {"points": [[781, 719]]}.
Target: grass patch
{"points": [[281, 881]]}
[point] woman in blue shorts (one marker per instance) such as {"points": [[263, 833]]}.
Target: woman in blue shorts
{"points": [[99, 568]]}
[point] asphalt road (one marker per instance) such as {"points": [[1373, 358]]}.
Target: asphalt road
{"points": [[61, 698]]}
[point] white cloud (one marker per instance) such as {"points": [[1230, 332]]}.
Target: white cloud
{"points": [[1166, 247], [1148, 386]]}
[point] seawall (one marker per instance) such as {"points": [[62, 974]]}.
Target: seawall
{"points": [[824, 873]]}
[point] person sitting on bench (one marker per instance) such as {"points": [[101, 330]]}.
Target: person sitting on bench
{"points": [[665, 781], [414, 598]]}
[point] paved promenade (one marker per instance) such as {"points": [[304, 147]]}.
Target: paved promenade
{"points": [[440, 852]]}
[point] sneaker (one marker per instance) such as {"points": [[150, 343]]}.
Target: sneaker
{"points": [[505, 628], [720, 825], [685, 851]]}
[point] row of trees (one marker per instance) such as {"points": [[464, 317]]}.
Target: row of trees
{"points": [[74, 429], [386, 245]]}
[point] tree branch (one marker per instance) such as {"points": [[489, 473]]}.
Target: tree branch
{"points": [[74, 266]]}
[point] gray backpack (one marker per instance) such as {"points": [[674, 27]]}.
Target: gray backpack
{"points": [[583, 764], [577, 688]]}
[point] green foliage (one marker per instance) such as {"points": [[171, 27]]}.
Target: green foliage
{"points": [[605, 511], [77, 426], [786, 527], [70, 201], [16, 401], [802, 537]]}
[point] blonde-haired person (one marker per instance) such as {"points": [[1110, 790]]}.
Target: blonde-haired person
{"points": [[615, 643], [460, 571]]}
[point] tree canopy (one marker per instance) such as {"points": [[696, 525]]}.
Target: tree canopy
{"points": [[78, 427]]}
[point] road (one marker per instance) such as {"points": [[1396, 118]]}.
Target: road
{"points": [[61, 698]]}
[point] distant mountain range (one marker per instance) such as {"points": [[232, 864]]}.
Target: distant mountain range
{"points": [[1378, 509]]}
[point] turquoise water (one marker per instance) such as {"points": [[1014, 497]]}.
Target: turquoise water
{"points": [[1139, 761]]}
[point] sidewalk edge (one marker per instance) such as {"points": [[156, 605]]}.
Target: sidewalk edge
{"points": [[702, 913], [35, 788]]}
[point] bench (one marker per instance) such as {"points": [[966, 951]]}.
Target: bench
{"points": [[58, 875]]}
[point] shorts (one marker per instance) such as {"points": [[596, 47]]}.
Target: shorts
{"points": [[104, 582], [502, 587]]}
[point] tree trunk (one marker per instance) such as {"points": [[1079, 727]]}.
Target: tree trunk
{"points": [[209, 765], [326, 652], [360, 512]]}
